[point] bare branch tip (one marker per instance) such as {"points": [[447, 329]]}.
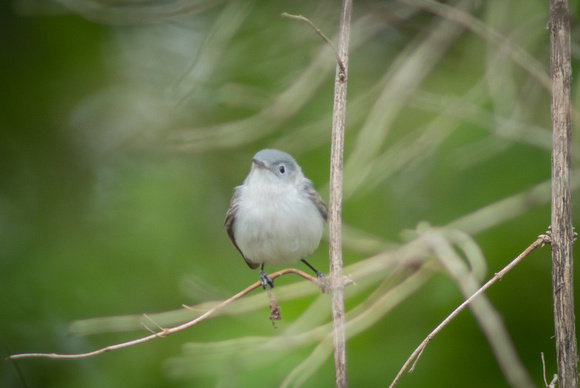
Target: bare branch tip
{"points": [[342, 67]]}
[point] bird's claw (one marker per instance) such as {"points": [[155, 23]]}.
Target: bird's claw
{"points": [[265, 280]]}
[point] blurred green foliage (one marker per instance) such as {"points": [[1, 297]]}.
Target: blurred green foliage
{"points": [[125, 128]]}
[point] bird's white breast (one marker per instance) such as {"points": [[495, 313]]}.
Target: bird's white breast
{"points": [[276, 224]]}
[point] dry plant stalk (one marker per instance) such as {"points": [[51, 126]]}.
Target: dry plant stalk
{"points": [[562, 230], [335, 201], [337, 281]]}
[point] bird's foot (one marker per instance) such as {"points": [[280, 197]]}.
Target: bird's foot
{"points": [[265, 280]]}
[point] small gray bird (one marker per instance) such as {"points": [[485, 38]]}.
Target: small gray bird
{"points": [[275, 216]]}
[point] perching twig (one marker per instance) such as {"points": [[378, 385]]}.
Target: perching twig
{"points": [[164, 332], [321, 34], [540, 242]]}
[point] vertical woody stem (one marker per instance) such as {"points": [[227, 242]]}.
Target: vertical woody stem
{"points": [[335, 203], [562, 231]]}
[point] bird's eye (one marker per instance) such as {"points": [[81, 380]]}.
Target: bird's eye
{"points": [[282, 169]]}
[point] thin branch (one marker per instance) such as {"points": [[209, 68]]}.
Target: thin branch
{"points": [[164, 332], [544, 369], [485, 314], [554, 379], [540, 242], [321, 34]]}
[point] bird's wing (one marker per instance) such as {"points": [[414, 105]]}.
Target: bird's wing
{"points": [[316, 199], [229, 224]]}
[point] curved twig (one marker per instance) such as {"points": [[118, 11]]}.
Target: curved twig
{"points": [[164, 332], [321, 34]]}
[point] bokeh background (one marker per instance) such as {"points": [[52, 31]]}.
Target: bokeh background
{"points": [[125, 126]]}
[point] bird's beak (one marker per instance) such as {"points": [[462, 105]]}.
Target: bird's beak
{"points": [[260, 164]]}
